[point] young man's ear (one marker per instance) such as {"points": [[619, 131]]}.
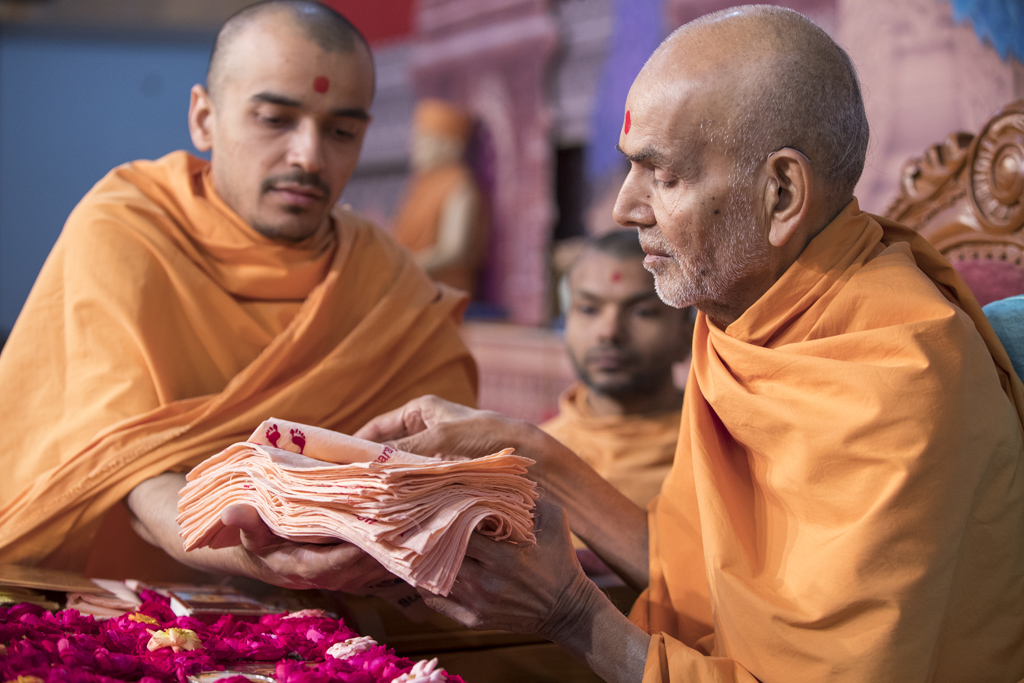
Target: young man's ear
{"points": [[200, 118], [788, 193]]}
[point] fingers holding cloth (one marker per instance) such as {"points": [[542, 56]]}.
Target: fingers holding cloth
{"points": [[281, 562], [523, 588], [433, 427]]}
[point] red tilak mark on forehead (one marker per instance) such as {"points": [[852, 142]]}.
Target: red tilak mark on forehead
{"points": [[321, 84], [625, 127], [616, 276]]}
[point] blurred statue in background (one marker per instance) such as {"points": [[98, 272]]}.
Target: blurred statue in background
{"points": [[441, 219]]}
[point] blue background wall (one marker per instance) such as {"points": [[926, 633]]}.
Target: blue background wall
{"points": [[72, 108]]}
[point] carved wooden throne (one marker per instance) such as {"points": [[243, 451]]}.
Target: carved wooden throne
{"points": [[966, 197]]}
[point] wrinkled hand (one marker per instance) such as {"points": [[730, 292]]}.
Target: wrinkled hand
{"points": [[525, 589], [278, 561], [432, 426]]}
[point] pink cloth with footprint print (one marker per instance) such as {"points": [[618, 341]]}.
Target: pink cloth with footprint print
{"points": [[413, 514]]}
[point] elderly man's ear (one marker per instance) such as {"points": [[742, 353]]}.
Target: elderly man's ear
{"points": [[788, 193]]}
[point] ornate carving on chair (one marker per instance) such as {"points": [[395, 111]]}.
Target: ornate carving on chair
{"points": [[966, 196]]}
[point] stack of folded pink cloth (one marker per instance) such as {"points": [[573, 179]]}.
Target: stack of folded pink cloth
{"points": [[413, 514]]}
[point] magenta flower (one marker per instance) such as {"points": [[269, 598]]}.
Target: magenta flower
{"points": [[120, 666], [69, 647], [297, 672]]}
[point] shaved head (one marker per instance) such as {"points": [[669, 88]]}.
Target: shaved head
{"points": [[620, 244], [318, 23], [284, 114], [774, 79]]}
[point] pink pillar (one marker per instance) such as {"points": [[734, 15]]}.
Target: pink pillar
{"points": [[492, 56]]}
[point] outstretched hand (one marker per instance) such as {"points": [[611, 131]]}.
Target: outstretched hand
{"points": [[432, 426], [290, 564], [261, 555]]}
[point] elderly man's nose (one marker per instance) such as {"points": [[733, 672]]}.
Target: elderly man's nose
{"points": [[632, 208]]}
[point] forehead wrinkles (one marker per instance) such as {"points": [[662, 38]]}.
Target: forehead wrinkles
{"points": [[714, 67], [731, 66], [672, 127]]}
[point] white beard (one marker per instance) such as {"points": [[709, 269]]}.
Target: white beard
{"points": [[734, 249]]}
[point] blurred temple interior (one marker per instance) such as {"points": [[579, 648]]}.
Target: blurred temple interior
{"points": [[88, 84]]}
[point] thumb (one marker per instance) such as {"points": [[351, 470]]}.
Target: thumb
{"points": [[546, 513], [415, 416], [256, 536], [433, 442], [391, 425], [458, 439]]}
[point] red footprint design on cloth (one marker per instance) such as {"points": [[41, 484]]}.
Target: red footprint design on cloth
{"points": [[273, 435], [299, 439]]}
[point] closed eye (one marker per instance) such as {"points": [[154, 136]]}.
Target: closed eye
{"points": [[586, 309], [647, 311], [664, 179], [273, 117]]}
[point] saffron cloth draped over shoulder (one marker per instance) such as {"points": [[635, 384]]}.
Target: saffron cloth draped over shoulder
{"points": [[163, 328], [847, 500], [632, 452]]}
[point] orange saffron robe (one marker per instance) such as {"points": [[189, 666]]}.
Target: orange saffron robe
{"points": [[163, 328], [632, 452], [847, 500]]}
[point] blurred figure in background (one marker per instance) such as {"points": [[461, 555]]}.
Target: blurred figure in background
{"points": [[441, 219], [187, 300], [622, 416]]}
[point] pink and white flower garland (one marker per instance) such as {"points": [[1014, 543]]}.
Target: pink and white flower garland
{"points": [[155, 646]]}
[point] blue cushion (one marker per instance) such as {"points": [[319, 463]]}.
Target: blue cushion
{"points": [[1007, 318]]}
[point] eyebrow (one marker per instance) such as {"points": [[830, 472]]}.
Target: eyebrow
{"points": [[686, 163], [647, 155], [347, 112]]}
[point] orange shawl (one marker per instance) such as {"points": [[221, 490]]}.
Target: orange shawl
{"points": [[849, 470], [162, 328], [632, 452], [418, 221]]}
